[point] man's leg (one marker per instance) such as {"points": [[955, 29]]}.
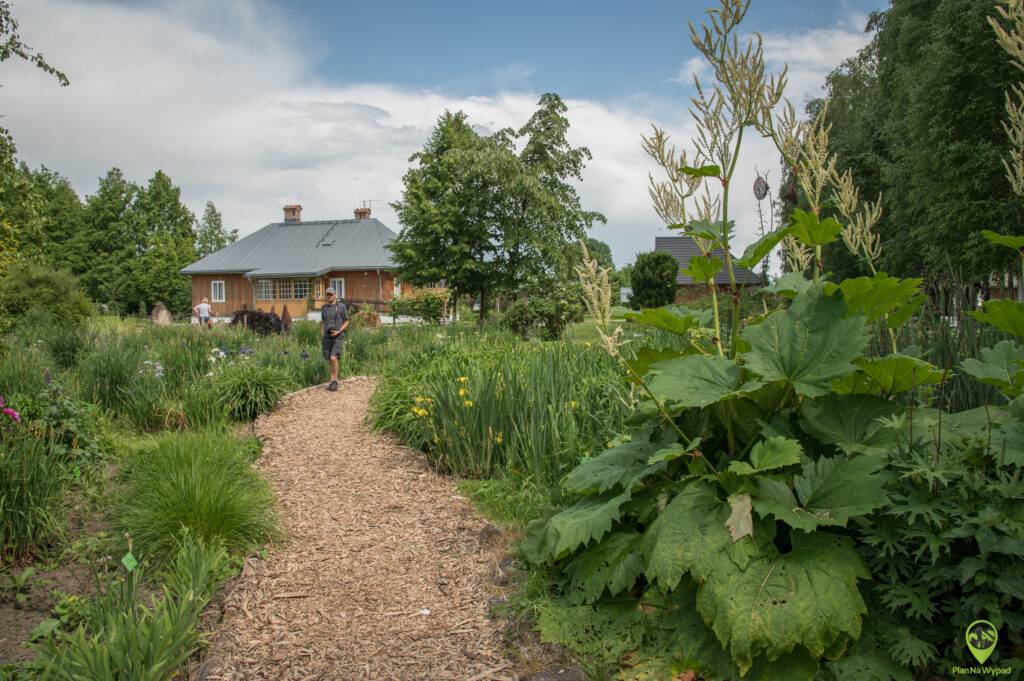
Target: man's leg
{"points": [[334, 367]]}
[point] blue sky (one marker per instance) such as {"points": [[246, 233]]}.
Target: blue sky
{"points": [[257, 103], [603, 50]]}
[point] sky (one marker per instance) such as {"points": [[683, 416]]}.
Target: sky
{"points": [[253, 104]]}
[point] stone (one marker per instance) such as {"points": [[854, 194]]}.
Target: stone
{"points": [[160, 315], [489, 534], [557, 673]]}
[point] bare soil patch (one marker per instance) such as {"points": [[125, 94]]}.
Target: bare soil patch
{"points": [[382, 574]]}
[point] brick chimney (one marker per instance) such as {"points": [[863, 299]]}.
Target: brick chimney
{"points": [[293, 214], [362, 213]]}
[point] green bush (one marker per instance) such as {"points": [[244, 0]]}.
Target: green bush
{"points": [[29, 286], [426, 305], [246, 389], [62, 342], [654, 280], [69, 424], [32, 484], [196, 481], [123, 638], [549, 316]]}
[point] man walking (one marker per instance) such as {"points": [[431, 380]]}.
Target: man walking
{"points": [[334, 319]]}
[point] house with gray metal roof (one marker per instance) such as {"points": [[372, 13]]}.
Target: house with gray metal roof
{"points": [[292, 263], [682, 248]]}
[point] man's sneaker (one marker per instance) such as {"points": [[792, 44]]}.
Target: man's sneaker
{"points": [[333, 386]]}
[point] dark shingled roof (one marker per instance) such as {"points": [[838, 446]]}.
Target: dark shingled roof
{"points": [[682, 248], [312, 248]]}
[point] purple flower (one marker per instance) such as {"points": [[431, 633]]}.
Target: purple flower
{"points": [[13, 415]]}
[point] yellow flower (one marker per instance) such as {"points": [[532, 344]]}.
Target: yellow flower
{"points": [[419, 400], [587, 344], [468, 403], [462, 392], [463, 379], [419, 411], [573, 404], [498, 439]]}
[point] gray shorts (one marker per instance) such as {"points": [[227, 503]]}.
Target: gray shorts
{"points": [[333, 345]]}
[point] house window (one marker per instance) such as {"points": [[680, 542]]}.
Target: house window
{"points": [[284, 290], [301, 289], [217, 291], [264, 289], [339, 287]]}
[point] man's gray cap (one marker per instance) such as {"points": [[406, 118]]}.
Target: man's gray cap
{"points": [[331, 291]]}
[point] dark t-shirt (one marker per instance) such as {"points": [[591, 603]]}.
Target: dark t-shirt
{"points": [[333, 316]]}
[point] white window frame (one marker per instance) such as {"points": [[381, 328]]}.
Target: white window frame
{"points": [[260, 293], [214, 298], [296, 283], [338, 284]]}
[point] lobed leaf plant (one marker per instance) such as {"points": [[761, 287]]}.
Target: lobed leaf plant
{"points": [[786, 506]]}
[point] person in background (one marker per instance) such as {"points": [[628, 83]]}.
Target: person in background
{"points": [[334, 319], [204, 312]]}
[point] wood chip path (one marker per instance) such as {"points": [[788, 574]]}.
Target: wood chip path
{"points": [[381, 574]]}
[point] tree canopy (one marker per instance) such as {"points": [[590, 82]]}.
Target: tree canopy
{"points": [[487, 217]]}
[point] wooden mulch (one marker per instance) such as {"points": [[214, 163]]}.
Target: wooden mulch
{"points": [[382, 574]]}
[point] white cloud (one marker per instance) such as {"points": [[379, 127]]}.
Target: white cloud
{"points": [[225, 101]]}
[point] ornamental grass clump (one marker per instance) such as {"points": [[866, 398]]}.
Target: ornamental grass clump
{"points": [[199, 482], [245, 389], [32, 484]]}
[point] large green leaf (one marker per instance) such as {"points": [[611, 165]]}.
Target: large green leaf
{"points": [[647, 356], [829, 491], [664, 318], [618, 466], [1014, 242], [881, 295], [790, 285], [702, 270], [780, 602], [1007, 444], [889, 375], [850, 422], [698, 380], [714, 231], [808, 344], [757, 251], [1001, 366], [614, 563], [770, 454], [690, 535], [567, 530], [1005, 315], [811, 231]]}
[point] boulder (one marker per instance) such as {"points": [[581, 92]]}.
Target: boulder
{"points": [[160, 315]]}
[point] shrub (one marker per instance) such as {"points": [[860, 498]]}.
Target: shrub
{"points": [[32, 484], [261, 323], [29, 286], [195, 481], [123, 638], [654, 280], [548, 315], [64, 343], [247, 389], [69, 424], [426, 305]]}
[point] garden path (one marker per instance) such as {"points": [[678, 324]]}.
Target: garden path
{"points": [[382, 574]]}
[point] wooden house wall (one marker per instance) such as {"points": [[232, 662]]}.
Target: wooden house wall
{"points": [[237, 291]]}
